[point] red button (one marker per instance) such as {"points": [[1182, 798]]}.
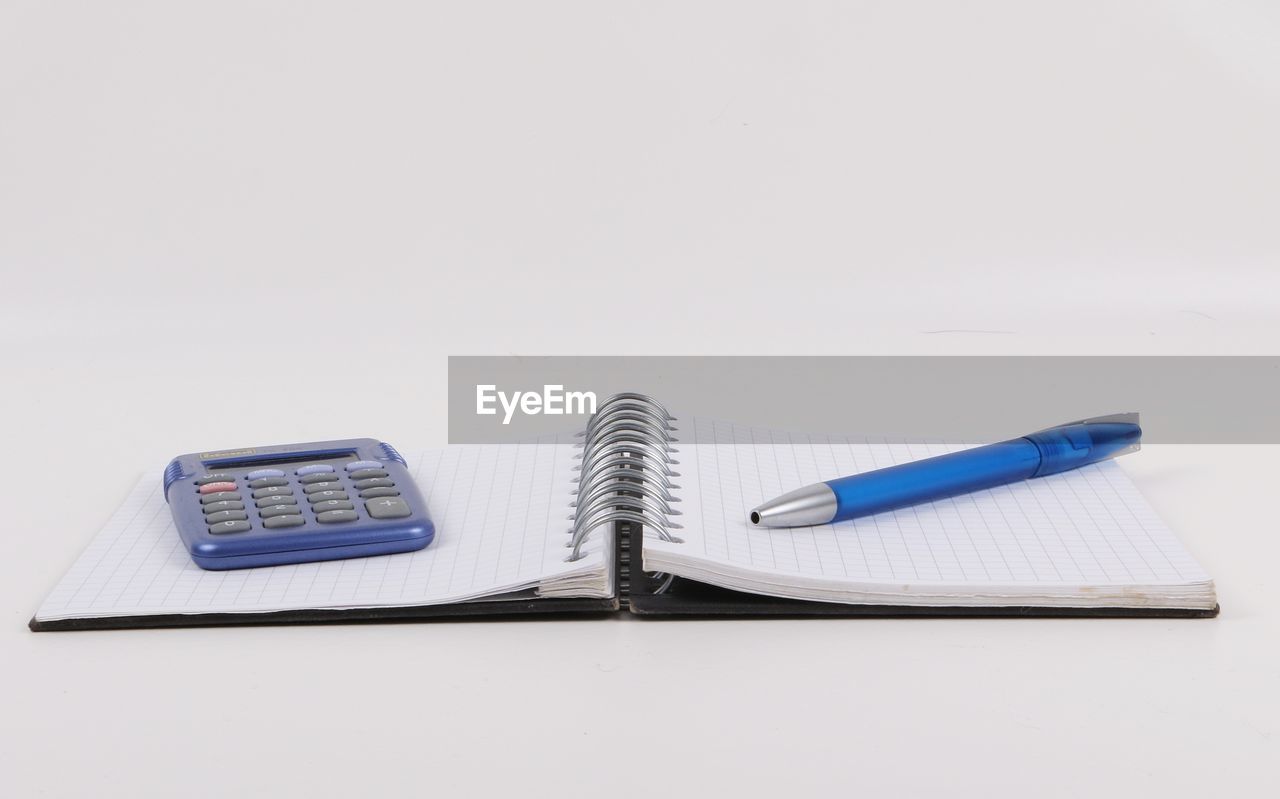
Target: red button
{"points": [[209, 488]]}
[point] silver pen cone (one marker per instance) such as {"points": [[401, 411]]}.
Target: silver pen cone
{"points": [[813, 504]]}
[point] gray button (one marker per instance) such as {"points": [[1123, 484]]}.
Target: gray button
{"points": [[229, 527], [276, 499], [331, 516], [327, 486], [278, 510], [365, 474], [324, 496], [375, 482], [388, 508], [214, 507], [219, 496], [283, 521], [226, 516], [370, 493], [313, 468], [269, 482], [321, 477], [332, 504], [219, 477], [259, 493]]}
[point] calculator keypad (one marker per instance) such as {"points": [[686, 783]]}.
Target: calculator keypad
{"points": [[220, 501], [275, 497]]}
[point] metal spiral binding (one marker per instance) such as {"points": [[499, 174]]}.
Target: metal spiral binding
{"points": [[625, 470]]}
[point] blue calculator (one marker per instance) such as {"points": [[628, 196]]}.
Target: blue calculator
{"points": [[295, 503]]}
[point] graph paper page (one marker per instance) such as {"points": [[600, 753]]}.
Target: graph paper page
{"points": [[1089, 526], [500, 526]]}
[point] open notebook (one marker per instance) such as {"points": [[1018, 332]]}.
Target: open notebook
{"points": [[507, 517], [1079, 539]]}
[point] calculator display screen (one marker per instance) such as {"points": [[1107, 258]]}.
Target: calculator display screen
{"points": [[285, 459]]}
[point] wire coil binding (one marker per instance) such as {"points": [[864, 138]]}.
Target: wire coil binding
{"points": [[624, 470]]}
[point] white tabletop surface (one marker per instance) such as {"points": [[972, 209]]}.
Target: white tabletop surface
{"points": [[216, 222]]}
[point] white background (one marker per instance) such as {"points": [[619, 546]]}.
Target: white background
{"points": [[240, 223]]}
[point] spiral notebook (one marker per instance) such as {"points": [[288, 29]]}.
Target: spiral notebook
{"points": [[648, 512]]}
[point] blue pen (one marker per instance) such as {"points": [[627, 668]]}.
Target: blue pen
{"points": [[1057, 449]]}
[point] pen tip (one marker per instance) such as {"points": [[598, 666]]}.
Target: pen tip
{"points": [[755, 517]]}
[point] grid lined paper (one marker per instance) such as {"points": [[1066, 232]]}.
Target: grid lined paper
{"points": [[500, 515], [1089, 526]]}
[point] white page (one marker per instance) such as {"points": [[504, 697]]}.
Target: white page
{"points": [[1086, 527], [501, 525]]}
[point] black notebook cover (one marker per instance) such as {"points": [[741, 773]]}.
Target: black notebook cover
{"points": [[637, 591], [507, 607]]}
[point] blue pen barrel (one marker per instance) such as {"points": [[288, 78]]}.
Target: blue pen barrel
{"points": [[935, 478], [1046, 452]]}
